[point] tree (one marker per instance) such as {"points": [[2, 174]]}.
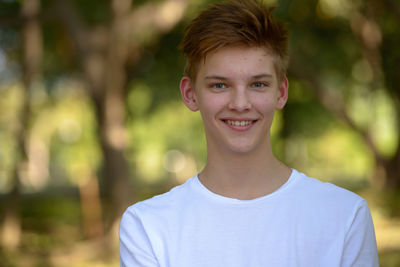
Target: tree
{"points": [[32, 55], [356, 46], [103, 53]]}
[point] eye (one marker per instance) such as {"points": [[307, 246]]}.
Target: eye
{"points": [[260, 84], [218, 86]]}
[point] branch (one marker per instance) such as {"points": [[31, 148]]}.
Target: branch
{"points": [[332, 101], [90, 44], [69, 16], [155, 18]]}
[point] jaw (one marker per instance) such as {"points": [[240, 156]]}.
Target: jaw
{"points": [[239, 146]]}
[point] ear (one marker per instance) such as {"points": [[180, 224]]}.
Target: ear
{"points": [[283, 91], [188, 94]]}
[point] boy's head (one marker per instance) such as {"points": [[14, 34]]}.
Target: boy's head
{"points": [[235, 23]]}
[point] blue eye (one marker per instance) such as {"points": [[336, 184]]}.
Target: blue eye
{"points": [[259, 84], [219, 86]]}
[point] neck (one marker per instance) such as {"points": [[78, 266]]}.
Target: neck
{"points": [[244, 175]]}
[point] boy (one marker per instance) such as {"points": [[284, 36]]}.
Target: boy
{"points": [[245, 208]]}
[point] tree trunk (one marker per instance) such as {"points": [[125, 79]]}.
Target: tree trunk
{"points": [[114, 131], [91, 206], [104, 53], [103, 62], [392, 82], [11, 228], [32, 54], [393, 171]]}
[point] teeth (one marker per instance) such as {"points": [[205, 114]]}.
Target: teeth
{"points": [[239, 123]]}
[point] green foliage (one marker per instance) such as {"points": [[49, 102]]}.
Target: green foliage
{"points": [[9, 7], [76, 149], [166, 142], [320, 30], [170, 127], [9, 104]]}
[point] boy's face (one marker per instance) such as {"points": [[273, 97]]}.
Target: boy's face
{"points": [[237, 92]]}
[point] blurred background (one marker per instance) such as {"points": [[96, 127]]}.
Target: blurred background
{"points": [[91, 119]]}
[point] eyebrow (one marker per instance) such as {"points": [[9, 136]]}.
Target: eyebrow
{"points": [[255, 77], [215, 77], [264, 75]]}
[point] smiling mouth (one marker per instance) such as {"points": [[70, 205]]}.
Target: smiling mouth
{"points": [[239, 123]]}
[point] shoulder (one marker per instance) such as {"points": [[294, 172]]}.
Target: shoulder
{"points": [[326, 196], [162, 204], [143, 225], [340, 213], [338, 208], [315, 188]]}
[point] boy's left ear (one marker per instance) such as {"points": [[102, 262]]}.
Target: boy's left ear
{"points": [[282, 93], [188, 94]]}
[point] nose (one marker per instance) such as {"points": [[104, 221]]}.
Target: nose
{"points": [[239, 100]]}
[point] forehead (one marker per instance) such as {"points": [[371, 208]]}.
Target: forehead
{"points": [[234, 61]]}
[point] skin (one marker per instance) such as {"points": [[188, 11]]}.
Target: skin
{"points": [[237, 92]]}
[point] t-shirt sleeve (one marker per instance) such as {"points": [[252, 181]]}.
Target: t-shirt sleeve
{"points": [[134, 245], [360, 248]]}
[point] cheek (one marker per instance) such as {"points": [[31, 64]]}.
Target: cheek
{"points": [[212, 103], [208, 108], [265, 105]]}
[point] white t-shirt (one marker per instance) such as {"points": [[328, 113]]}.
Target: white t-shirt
{"points": [[304, 223]]}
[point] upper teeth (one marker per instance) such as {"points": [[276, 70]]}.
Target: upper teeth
{"points": [[239, 123]]}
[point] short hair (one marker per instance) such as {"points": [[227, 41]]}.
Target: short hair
{"points": [[246, 23]]}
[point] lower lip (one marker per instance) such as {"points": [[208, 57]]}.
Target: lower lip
{"points": [[240, 128]]}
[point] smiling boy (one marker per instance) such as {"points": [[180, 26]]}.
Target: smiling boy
{"points": [[245, 208], [237, 91]]}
